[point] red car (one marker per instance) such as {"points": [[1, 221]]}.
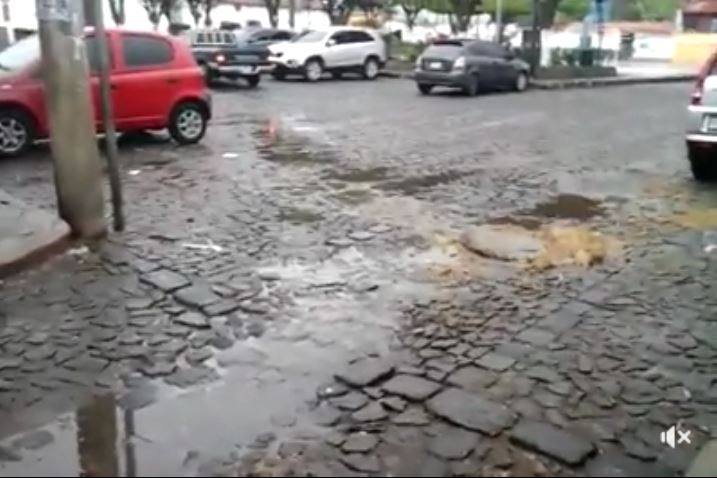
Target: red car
{"points": [[155, 81]]}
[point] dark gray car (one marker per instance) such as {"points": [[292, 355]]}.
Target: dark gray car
{"points": [[471, 65]]}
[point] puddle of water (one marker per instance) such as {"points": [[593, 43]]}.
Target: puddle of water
{"points": [[568, 206], [358, 175], [415, 184], [354, 197], [297, 215], [528, 223]]}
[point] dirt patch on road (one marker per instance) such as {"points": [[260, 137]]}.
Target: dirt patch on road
{"points": [[697, 219], [565, 245]]}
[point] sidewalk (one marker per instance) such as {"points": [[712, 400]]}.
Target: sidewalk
{"points": [[26, 233]]}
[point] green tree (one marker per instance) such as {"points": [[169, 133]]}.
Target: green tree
{"points": [[411, 9], [574, 10], [117, 11], [511, 8], [272, 8], [461, 12], [658, 10], [156, 9]]}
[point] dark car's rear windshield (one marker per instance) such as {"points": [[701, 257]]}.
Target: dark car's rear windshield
{"points": [[445, 49]]}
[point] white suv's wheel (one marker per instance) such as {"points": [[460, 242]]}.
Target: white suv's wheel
{"points": [[371, 69], [313, 70]]}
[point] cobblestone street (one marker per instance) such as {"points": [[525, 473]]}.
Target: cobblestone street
{"points": [[292, 296]]}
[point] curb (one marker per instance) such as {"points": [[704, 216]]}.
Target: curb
{"points": [[579, 82], [32, 235], [610, 81]]}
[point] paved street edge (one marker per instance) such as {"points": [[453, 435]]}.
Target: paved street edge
{"points": [[581, 82]]}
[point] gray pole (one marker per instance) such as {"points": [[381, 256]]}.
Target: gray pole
{"points": [[292, 13], [498, 20], [78, 170], [96, 16]]}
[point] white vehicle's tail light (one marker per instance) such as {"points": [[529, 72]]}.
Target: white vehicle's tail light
{"points": [[459, 64]]}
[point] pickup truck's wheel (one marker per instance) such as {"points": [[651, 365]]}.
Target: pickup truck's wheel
{"points": [[187, 123], [253, 80], [17, 132], [370, 68], [313, 70]]}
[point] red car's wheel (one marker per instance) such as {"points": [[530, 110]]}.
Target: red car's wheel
{"points": [[188, 123], [17, 131]]}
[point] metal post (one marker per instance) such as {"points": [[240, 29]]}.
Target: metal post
{"points": [[78, 170], [498, 21], [292, 13], [96, 16]]}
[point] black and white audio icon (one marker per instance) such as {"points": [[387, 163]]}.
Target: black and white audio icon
{"points": [[675, 436]]}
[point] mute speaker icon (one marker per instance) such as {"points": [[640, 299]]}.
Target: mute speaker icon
{"points": [[668, 437]]}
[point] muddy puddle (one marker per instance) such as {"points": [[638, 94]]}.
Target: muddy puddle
{"points": [[287, 142], [357, 175], [567, 206], [415, 184], [297, 215], [697, 218]]}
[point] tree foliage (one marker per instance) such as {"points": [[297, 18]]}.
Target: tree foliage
{"points": [[117, 11], [511, 8], [574, 10], [156, 9], [272, 9]]}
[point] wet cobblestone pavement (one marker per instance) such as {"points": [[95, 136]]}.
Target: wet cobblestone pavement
{"points": [[291, 296]]}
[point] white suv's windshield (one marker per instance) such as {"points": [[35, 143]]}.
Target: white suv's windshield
{"points": [[309, 37], [21, 54]]}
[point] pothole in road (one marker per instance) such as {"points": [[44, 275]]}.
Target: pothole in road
{"points": [[296, 215], [567, 206], [544, 248], [358, 175], [414, 184]]}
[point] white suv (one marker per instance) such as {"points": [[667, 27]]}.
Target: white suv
{"points": [[336, 49]]}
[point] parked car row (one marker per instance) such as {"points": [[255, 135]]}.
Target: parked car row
{"points": [[160, 82]]}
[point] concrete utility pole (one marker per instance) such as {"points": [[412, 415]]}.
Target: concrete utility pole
{"points": [[95, 17], [78, 171]]}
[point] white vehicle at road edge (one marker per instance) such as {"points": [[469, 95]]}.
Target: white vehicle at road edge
{"points": [[336, 50]]}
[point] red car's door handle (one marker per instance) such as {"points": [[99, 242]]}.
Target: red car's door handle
{"points": [[172, 81], [113, 86]]}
